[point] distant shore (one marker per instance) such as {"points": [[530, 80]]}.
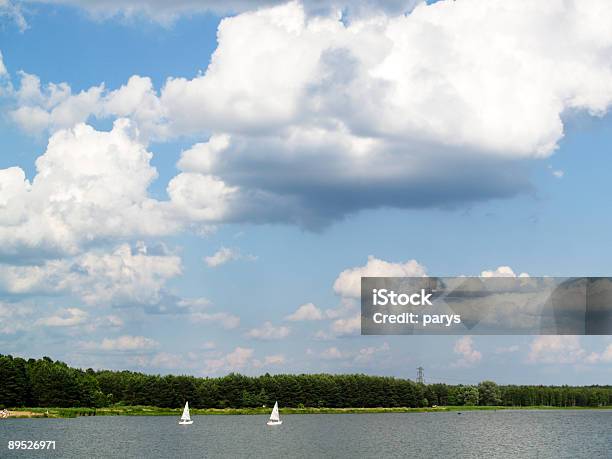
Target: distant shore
{"points": [[156, 411]]}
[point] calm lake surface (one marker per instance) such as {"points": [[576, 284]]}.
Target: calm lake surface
{"points": [[541, 434]]}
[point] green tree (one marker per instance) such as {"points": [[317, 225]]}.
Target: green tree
{"points": [[489, 393], [467, 395], [47, 383]]}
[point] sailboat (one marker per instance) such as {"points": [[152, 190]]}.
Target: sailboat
{"points": [[185, 418], [274, 417]]}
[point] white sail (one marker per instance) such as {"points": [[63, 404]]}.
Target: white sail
{"points": [[274, 416], [185, 416]]}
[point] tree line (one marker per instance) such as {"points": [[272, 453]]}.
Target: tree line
{"points": [[47, 383]]}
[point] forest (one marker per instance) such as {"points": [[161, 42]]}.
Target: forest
{"points": [[47, 383]]}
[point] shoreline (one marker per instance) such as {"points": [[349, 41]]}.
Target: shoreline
{"points": [[56, 413]]}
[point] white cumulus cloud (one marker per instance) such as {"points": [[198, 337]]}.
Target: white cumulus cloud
{"points": [[224, 319], [3, 71], [556, 349], [601, 357], [166, 12], [347, 326], [269, 332], [348, 283], [361, 356], [310, 118], [225, 255], [68, 317], [89, 185], [15, 317], [92, 186], [565, 349], [54, 106], [238, 359], [275, 359], [332, 353], [220, 257], [12, 10], [468, 355], [307, 311], [502, 271], [125, 343], [368, 354], [125, 276]]}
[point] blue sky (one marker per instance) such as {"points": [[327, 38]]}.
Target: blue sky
{"points": [[430, 150]]}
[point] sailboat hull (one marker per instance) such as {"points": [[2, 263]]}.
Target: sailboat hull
{"points": [[274, 423], [185, 423]]}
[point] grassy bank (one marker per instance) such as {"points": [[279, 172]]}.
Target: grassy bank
{"points": [[156, 411]]}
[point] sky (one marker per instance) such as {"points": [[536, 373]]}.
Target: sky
{"points": [[197, 187]]}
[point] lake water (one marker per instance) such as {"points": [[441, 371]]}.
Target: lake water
{"points": [[487, 434]]}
